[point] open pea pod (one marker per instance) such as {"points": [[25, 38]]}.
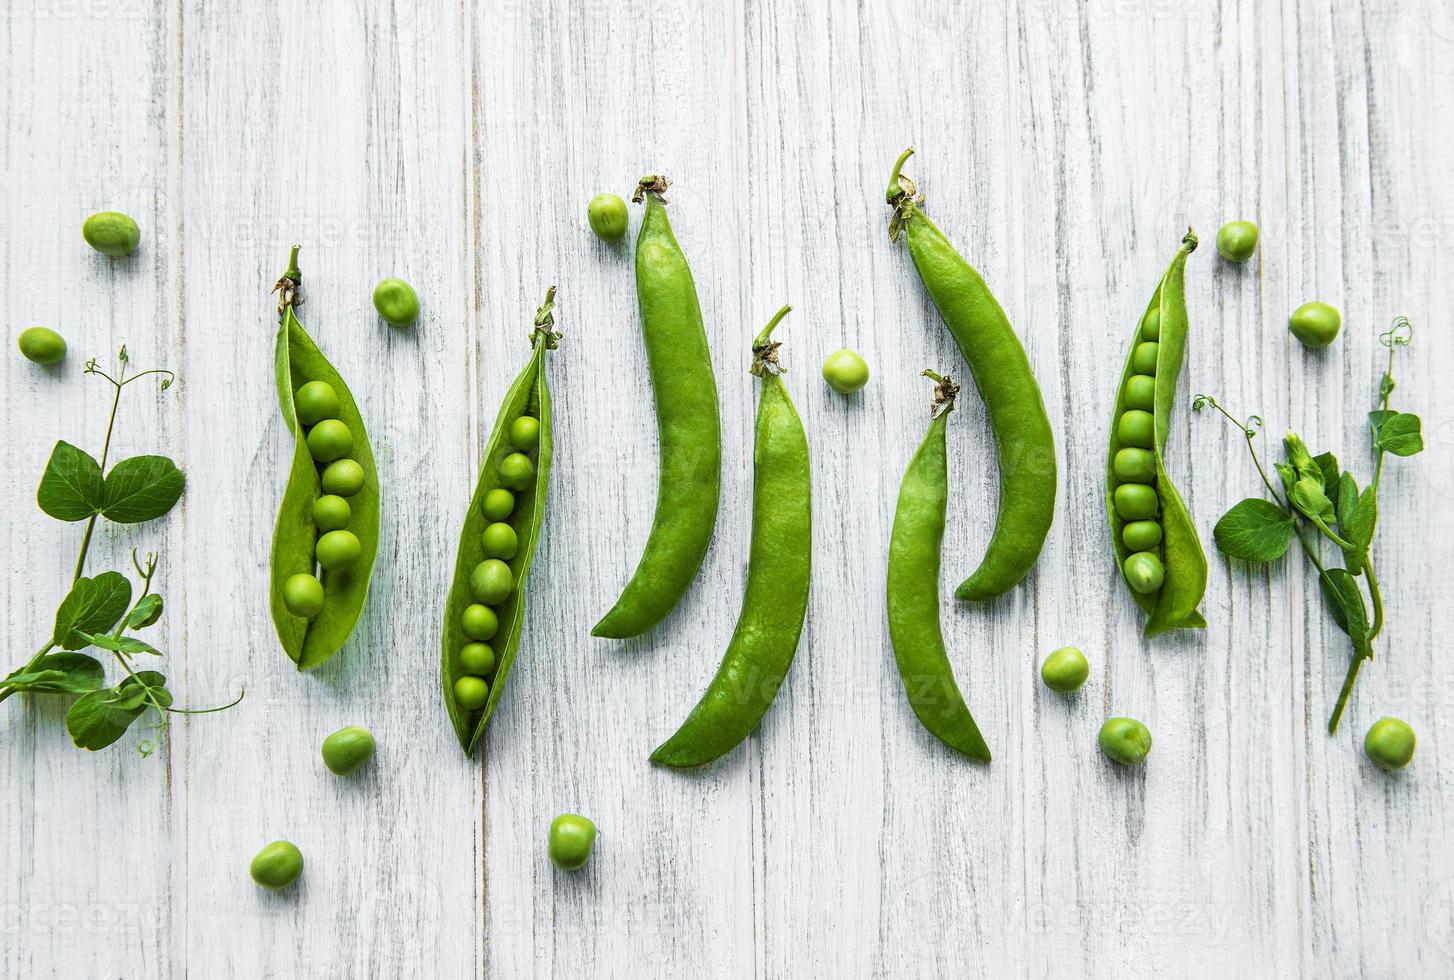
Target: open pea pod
{"points": [[315, 618], [1157, 548], [485, 611]]}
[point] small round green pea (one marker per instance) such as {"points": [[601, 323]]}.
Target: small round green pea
{"points": [[278, 865], [1125, 740], [1237, 241], [1134, 502], [491, 581], [1141, 392], [331, 512], [525, 433], [42, 345], [1065, 670], [1151, 324], [338, 549], [477, 658], [516, 471], [303, 595], [1132, 465], [1141, 535], [111, 233], [479, 622], [344, 477], [330, 440], [1144, 572], [396, 302], [498, 504], [1143, 359], [1137, 428], [471, 692], [572, 837], [500, 541], [607, 215], [316, 401], [845, 371], [1315, 324], [346, 750], [1390, 744]]}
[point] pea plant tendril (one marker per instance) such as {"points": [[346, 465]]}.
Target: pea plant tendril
{"points": [[99, 612], [1321, 507]]}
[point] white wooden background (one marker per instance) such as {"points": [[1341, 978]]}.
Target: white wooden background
{"points": [[1063, 147]]}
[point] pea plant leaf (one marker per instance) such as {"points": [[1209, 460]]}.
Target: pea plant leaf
{"points": [[1308, 497], [1353, 525], [142, 488], [101, 717], [119, 644], [71, 489], [58, 673], [1376, 419], [1400, 434], [1345, 603], [93, 605], [1287, 474], [147, 611], [1328, 466], [1254, 530]]}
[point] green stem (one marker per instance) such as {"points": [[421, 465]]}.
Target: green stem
{"points": [[30, 665], [762, 338], [896, 190], [119, 383], [1343, 695], [1377, 596]]}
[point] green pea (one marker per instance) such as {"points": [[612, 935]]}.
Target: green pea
{"points": [[278, 865], [500, 541], [396, 302], [330, 440], [343, 477], [1134, 502], [1141, 535], [479, 622], [303, 595], [572, 837], [1144, 572], [1141, 392], [491, 581], [1133, 465], [1315, 324], [316, 401], [477, 658], [1143, 359], [607, 215], [1125, 740], [471, 692], [1151, 324], [338, 549], [1237, 241], [516, 471], [845, 371], [346, 750], [1065, 670], [1390, 744], [331, 512], [1137, 428], [111, 233], [42, 345], [498, 504], [525, 433]]}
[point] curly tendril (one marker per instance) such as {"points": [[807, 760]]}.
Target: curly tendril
{"points": [[1400, 334]]}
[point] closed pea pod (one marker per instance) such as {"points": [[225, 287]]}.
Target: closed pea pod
{"points": [[913, 589], [318, 534], [687, 422], [1155, 542], [1024, 443], [778, 573], [485, 611]]}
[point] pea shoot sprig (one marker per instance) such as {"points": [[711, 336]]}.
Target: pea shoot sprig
{"points": [[1321, 507], [99, 612]]}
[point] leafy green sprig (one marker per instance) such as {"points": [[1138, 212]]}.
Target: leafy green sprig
{"points": [[98, 613], [1320, 506]]}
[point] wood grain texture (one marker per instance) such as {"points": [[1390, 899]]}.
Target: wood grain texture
{"points": [[1063, 149]]}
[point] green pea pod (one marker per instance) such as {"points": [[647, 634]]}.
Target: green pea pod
{"points": [[1172, 605], [309, 641], [687, 422], [778, 572], [529, 396], [913, 589], [1024, 442]]}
